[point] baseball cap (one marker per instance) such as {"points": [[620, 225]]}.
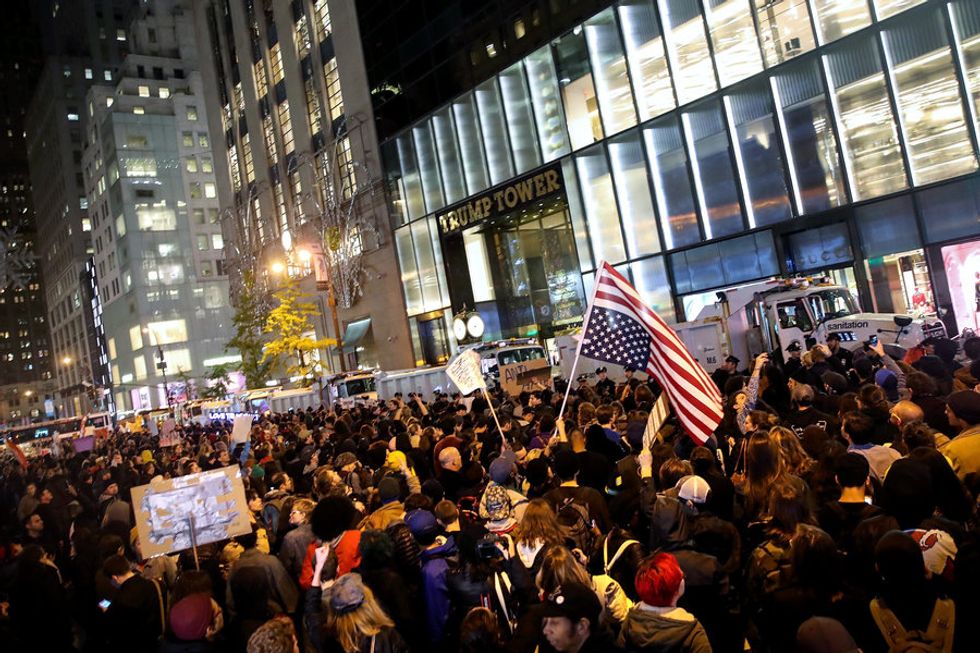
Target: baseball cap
{"points": [[573, 601], [794, 346], [422, 523], [938, 550], [497, 503], [693, 488], [501, 468]]}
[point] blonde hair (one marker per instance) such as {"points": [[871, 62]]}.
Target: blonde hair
{"points": [[538, 523], [306, 507], [348, 628]]}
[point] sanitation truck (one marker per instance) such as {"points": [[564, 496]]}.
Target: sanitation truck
{"points": [[770, 315]]}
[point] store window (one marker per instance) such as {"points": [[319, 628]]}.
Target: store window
{"points": [[714, 179], [611, 79], [493, 125], [471, 144], [733, 36], [425, 152], [820, 248], [886, 8], [784, 29], [687, 49], [965, 18], [837, 18], [647, 58], [520, 122], [449, 160], [872, 154], [672, 183], [650, 277], [548, 115], [962, 265], [411, 180], [928, 95], [600, 205], [577, 90], [633, 191], [757, 154], [816, 176]]}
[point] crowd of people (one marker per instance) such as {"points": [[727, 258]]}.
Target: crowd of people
{"points": [[834, 510]]}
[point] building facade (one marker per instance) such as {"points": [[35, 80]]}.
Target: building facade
{"points": [[82, 44], [299, 176], [693, 144], [152, 196]]}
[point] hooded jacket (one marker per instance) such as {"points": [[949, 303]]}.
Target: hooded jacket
{"points": [[663, 631], [436, 564]]}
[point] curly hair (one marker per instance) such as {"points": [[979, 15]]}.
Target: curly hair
{"points": [[274, 636]]}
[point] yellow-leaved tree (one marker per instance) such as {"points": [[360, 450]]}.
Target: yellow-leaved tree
{"points": [[290, 325]]}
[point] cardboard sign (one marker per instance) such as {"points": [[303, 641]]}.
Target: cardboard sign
{"points": [[464, 371], [214, 501], [242, 428], [529, 376], [168, 433]]}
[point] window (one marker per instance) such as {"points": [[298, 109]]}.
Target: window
{"points": [[725, 263], [837, 18], [520, 123], [217, 242], [187, 139], [206, 165], [335, 100], [647, 58], [965, 18], [611, 79], [209, 190], [107, 75], [144, 91], [120, 34], [191, 112], [409, 270], [198, 216], [872, 155], [921, 64], [213, 216], [650, 277], [163, 92], [411, 180], [757, 155], [155, 217], [687, 49], [470, 147], [784, 29], [577, 90], [548, 115], [793, 315], [202, 140], [247, 158], [88, 73], [312, 106], [733, 36], [600, 205], [135, 338], [261, 82], [428, 167], [672, 183], [714, 180], [633, 193], [321, 16], [136, 140], [195, 188], [203, 243], [447, 148], [811, 148], [286, 127], [494, 129], [275, 60], [191, 164], [886, 8]]}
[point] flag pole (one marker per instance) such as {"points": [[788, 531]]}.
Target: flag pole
{"points": [[578, 348], [493, 412]]}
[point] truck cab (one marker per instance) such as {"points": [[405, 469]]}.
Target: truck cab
{"points": [[350, 387]]}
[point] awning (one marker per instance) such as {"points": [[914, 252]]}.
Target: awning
{"points": [[354, 334]]}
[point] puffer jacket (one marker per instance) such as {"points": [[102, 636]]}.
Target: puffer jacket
{"points": [[663, 631]]}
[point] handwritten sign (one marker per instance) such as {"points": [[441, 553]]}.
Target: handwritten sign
{"points": [[242, 428], [531, 375], [464, 371]]}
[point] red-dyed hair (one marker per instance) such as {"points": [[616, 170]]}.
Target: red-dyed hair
{"points": [[657, 579]]}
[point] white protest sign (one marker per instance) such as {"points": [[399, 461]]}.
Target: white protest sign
{"points": [[464, 370], [243, 426], [168, 437]]}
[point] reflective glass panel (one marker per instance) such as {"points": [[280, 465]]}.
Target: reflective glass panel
{"points": [[411, 181], [870, 140], [470, 144], [965, 17], [409, 270], [758, 155], [548, 113], [633, 191], [577, 90], [647, 58], [714, 179], [428, 274], [611, 79], [687, 48], [650, 278], [600, 205], [811, 147], [393, 182], [520, 121], [425, 150], [886, 8], [493, 125], [575, 210], [784, 29], [928, 96], [837, 18], [449, 160], [733, 36], [672, 183]]}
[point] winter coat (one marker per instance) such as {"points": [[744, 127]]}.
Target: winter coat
{"points": [[663, 631], [383, 517], [280, 587], [436, 564], [292, 551]]}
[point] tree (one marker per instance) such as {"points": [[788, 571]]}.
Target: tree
{"points": [[251, 314], [289, 324], [216, 386]]}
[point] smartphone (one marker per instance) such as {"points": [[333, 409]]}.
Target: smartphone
{"points": [[873, 340], [104, 604]]}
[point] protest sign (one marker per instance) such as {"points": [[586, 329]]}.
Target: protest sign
{"points": [[464, 370], [242, 428], [168, 433]]}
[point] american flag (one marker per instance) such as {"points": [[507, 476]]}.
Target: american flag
{"points": [[620, 329]]}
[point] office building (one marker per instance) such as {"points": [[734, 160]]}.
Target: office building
{"points": [[82, 43], [693, 144], [289, 104], [153, 208]]}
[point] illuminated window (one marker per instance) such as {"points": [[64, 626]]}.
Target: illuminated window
{"points": [[335, 101], [647, 58], [312, 106], [609, 66], [191, 112], [270, 140], [321, 16], [733, 36], [886, 8], [155, 217], [837, 18], [261, 83], [286, 127], [195, 188], [275, 59], [203, 242], [281, 210], [206, 165], [139, 366], [135, 338], [687, 49], [236, 172], [247, 157], [191, 164], [302, 37], [187, 139], [577, 91], [167, 332], [209, 190], [144, 91], [784, 29], [164, 92], [965, 17], [217, 242], [346, 163]]}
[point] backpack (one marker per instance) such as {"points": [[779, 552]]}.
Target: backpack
{"points": [[936, 638], [576, 525]]}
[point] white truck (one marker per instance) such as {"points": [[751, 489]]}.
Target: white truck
{"points": [[770, 315]]}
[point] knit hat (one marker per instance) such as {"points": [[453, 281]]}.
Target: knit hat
{"points": [[344, 459], [389, 489], [887, 381], [694, 489], [938, 550], [965, 404], [395, 460], [497, 503], [835, 381], [191, 616], [347, 593]]}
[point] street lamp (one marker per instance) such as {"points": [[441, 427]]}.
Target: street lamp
{"points": [[66, 361], [161, 364], [277, 267]]}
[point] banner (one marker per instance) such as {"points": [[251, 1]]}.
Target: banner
{"points": [[464, 371], [213, 501], [242, 428], [529, 376]]}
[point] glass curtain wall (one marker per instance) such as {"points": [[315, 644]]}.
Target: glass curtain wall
{"points": [[714, 179], [600, 205], [838, 18], [887, 8], [784, 29], [577, 89], [647, 58], [546, 102], [611, 79], [964, 16], [493, 124], [736, 47], [450, 161], [520, 122], [471, 144], [667, 160], [687, 49], [633, 192]]}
